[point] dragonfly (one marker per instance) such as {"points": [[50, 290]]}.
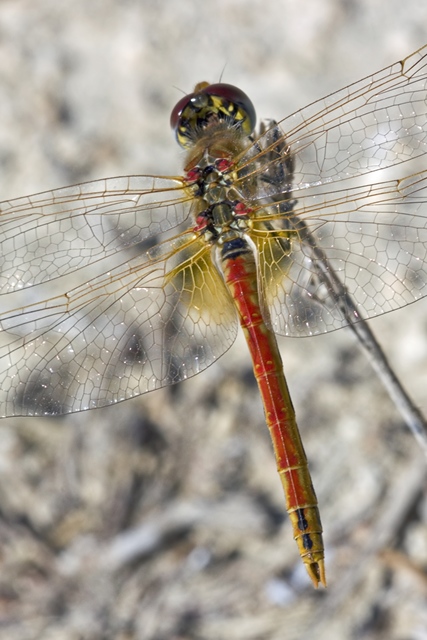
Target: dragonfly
{"points": [[117, 287]]}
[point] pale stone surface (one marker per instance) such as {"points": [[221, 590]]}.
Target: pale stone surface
{"points": [[86, 90]]}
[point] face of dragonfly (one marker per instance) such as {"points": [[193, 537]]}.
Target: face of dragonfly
{"points": [[112, 288]]}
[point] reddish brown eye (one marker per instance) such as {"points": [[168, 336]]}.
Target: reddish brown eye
{"points": [[227, 103], [178, 109]]}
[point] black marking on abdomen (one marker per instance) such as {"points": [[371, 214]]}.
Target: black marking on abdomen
{"points": [[307, 541], [234, 248], [302, 521]]}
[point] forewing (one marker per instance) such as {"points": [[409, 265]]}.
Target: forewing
{"points": [[370, 125], [56, 233]]}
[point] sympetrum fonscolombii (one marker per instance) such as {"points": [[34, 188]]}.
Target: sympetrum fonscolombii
{"points": [[116, 287]]}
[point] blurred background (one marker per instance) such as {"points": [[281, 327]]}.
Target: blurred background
{"points": [[163, 518]]}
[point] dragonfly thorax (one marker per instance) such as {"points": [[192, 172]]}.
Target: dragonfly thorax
{"points": [[220, 216], [222, 221]]}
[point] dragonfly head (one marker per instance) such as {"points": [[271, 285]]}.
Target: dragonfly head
{"points": [[208, 105]]}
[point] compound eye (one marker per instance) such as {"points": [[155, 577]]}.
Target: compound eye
{"points": [[211, 102], [235, 96], [227, 92], [178, 109]]}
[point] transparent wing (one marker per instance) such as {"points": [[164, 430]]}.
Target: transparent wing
{"points": [[109, 295], [370, 125], [55, 233], [349, 173]]}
